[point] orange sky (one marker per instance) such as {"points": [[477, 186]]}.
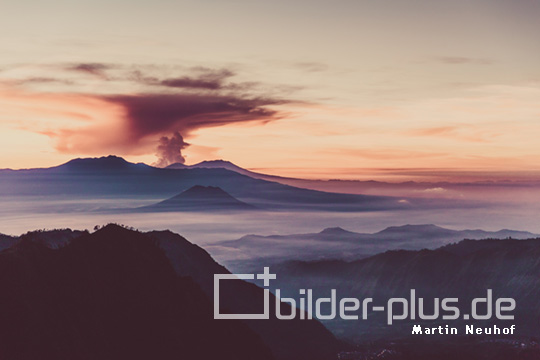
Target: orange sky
{"points": [[330, 93]]}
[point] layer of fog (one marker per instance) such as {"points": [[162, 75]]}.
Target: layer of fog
{"points": [[21, 215]]}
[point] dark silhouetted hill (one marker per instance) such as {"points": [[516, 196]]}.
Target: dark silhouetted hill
{"points": [[7, 241], [122, 294], [465, 270], [51, 238], [109, 295], [289, 340]]}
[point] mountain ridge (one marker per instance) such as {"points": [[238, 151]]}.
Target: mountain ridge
{"points": [[103, 249], [109, 295], [113, 176], [338, 243], [463, 270], [200, 198]]}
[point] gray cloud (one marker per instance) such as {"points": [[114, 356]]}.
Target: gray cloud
{"points": [[96, 69], [311, 66], [461, 60], [209, 80]]}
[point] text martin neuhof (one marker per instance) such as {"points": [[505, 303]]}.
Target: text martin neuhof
{"points": [[306, 306]]}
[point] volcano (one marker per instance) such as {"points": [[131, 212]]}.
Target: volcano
{"points": [[201, 198]]}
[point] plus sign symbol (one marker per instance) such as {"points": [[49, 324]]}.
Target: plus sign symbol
{"points": [[266, 276]]}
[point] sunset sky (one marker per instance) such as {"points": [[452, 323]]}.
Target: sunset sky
{"points": [[321, 89]]}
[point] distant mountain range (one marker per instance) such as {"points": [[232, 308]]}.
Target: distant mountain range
{"points": [[222, 164], [122, 294], [200, 198], [114, 177], [504, 190], [409, 189], [337, 243], [464, 270]]}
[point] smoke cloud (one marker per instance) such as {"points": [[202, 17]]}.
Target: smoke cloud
{"points": [[169, 150], [153, 114], [154, 121]]}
